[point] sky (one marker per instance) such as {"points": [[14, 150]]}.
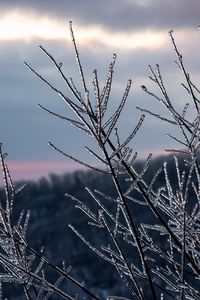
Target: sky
{"points": [[136, 30]]}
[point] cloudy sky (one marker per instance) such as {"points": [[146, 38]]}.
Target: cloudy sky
{"points": [[137, 30]]}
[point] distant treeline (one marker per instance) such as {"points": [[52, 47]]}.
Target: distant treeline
{"points": [[52, 211]]}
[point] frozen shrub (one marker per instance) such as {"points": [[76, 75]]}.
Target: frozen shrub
{"points": [[165, 262]]}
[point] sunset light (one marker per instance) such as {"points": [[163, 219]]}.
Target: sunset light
{"points": [[36, 169], [17, 25]]}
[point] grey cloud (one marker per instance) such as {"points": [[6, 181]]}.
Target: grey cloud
{"points": [[118, 15], [25, 130]]}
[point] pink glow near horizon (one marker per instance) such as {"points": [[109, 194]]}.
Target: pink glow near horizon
{"points": [[33, 170]]}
